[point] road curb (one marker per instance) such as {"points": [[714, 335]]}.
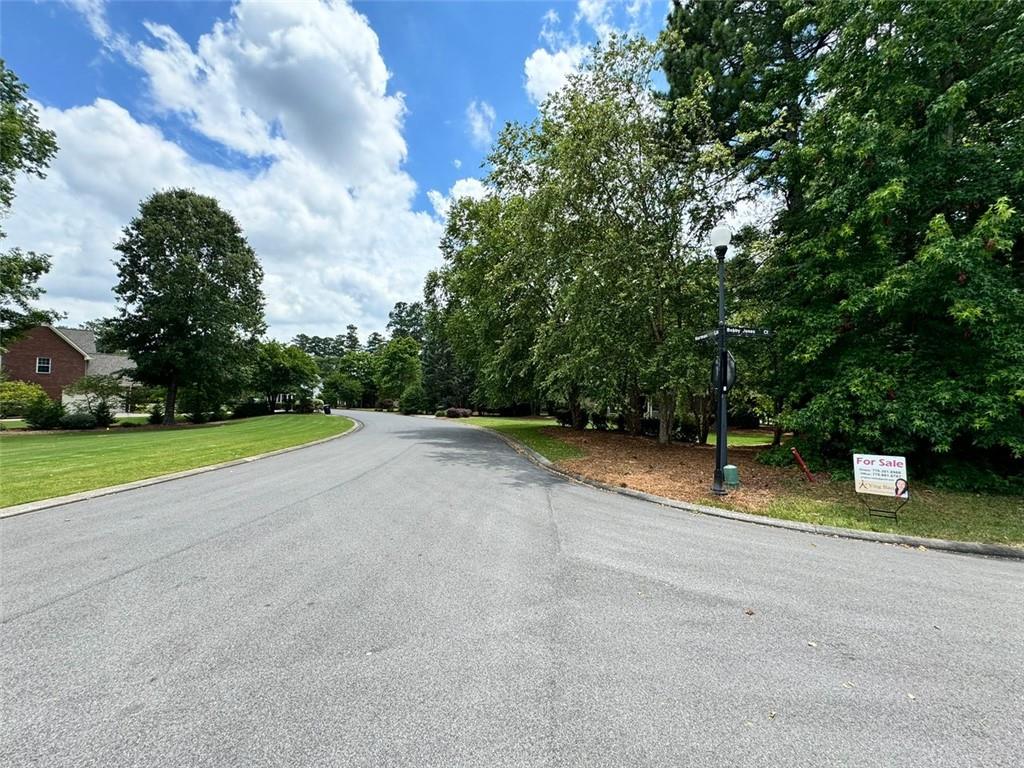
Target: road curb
{"points": [[59, 501], [945, 545]]}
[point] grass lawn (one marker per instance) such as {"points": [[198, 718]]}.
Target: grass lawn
{"points": [[744, 438], [931, 512], [42, 466], [528, 431], [12, 424], [683, 472]]}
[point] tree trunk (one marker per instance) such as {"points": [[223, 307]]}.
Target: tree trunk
{"points": [[636, 404], [576, 409], [666, 415], [700, 407], [170, 401], [777, 436]]}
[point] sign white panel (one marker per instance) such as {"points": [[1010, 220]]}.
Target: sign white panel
{"points": [[881, 475]]}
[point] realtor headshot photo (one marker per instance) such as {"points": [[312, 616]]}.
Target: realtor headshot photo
{"points": [[902, 489]]}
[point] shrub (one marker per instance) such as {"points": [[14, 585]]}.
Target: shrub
{"points": [[220, 414], [250, 408], [156, 414], [414, 399], [197, 417], [17, 396], [458, 413], [564, 417], [685, 430], [80, 420], [102, 414], [599, 420], [304, 405], [439, 414], [649, 427], [386, 405], [44, 414]]}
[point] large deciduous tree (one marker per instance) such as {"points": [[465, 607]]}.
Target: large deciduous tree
{"points": [[281, 369], [25, 147], [397, 367], [892, 272], [190, 304]]}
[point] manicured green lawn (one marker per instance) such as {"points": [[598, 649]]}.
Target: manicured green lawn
{"points": [[36, 467], [931, 512], [528, 431], [13, 424], [133, 420], [744, 439]]}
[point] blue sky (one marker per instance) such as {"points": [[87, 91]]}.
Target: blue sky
{"points": [[336, 135]]}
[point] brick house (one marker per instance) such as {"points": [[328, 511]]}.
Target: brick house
{"points": [[55, 358]]}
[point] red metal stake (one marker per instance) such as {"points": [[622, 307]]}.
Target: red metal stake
{"points": [[803, 465]]}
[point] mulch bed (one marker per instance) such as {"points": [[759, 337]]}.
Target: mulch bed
{"points": [[676, 471]]}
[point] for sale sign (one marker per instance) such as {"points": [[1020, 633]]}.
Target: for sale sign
{"points": [[881, 475]]}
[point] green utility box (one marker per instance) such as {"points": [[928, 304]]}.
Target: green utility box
{"points": [[732, 476]]}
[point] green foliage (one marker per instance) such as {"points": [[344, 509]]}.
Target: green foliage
{"points": [[190, 304], [889, 134], [406, 320], [79, 420], [249, 408], [156, 414], [44, 413], [19, 276], [342, 389], [24, 148], [582, 277], [17, 396], [397, 367], [283, 370], [103, 414], [374, 342], [350, 342], [97, 390], [324, 346], [414, 398]]}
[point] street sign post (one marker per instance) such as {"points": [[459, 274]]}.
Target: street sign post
{"points": [[736, 332], [730, 373]]}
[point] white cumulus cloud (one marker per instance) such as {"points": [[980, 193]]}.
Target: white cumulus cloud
{"points": [[301, 90], [546, 72], [480, 118], [469, 187]]}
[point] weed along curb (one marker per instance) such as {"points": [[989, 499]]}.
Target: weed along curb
{"points": [[59, 501], [962, 547]]}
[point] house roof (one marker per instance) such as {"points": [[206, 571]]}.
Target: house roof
{"points": [[99, 363], [82, 339], [102, 364]]}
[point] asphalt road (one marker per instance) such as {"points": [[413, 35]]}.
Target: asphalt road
{"points": [[417, 594]]}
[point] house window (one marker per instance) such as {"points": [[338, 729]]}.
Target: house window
{"points": [[42, 365]]}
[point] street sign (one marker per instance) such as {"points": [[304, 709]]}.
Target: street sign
{"points": [[735, 331], [730, 374]]}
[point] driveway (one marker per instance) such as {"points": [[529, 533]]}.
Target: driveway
{"points": [[417, 594]]}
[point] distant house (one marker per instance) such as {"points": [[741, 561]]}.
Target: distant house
{"points": [[55, 358]]}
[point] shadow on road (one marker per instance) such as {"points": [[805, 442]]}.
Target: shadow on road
{"points": [[479, 448]]}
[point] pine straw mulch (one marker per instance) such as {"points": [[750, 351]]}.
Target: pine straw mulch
{"points": [[677, 471]]}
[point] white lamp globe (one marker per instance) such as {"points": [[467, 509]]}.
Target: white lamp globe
{"points": [[721, 236]]}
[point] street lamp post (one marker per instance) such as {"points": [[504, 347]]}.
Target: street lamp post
{"points": [[721, 236]]}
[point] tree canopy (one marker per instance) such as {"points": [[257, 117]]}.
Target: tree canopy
{"points": [[190, 306]]}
